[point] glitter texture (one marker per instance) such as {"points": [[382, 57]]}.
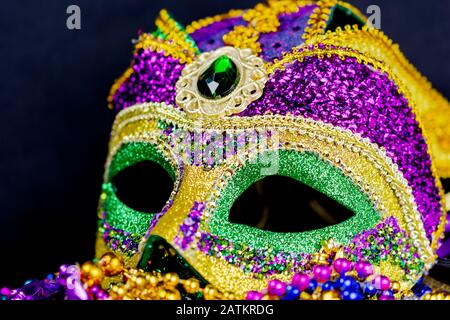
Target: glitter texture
{"points": [[288, 35], [308, 169], [210, 37], [354, 96], [153, 79], [387, 242], [190, 226]]}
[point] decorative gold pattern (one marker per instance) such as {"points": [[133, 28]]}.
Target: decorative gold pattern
{"points": [[250, 87]]}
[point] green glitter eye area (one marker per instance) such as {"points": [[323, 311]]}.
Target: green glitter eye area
{"points": [[310, 170], [267, 205], [141, 178], [144, 186]]}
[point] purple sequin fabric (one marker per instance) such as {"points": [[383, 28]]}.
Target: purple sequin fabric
{"points": [[210, 37], [289, 34], [354, 96], [153, 79]]}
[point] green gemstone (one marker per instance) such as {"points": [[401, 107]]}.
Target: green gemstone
{"points": [[220, 79]]}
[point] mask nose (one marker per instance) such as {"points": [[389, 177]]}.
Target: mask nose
{"points": [[162, 257]]}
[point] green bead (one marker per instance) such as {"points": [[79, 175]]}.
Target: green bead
{"points": [[220, 79]]}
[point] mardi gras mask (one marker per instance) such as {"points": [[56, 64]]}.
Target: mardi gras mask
{"points": [[275, 137]]}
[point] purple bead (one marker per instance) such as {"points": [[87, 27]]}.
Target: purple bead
{"points": [[276, 287], [342, 265], [322, 273], [381, 283], [364, 269], [300, 281], [254, 295]]}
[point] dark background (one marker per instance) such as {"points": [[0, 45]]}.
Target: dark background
{"points": [[54, 123]]}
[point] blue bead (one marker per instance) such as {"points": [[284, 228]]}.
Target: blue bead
{"points": [[292, 293], [347, 283], [370, 290], [388, 293], [327, 286], [420, 289], [425, 289], [312, 286], [351, 295]]}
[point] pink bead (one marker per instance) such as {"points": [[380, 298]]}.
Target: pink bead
{"points": [[5, 291], [386, 298], [342, 265], [322, 273], [300, 281], [382, 283], [364, 269], [254, 295]]}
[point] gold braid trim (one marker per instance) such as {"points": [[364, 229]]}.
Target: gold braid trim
{"points": [[175, 33], [353, 9], [202, 23], [319, 18]]}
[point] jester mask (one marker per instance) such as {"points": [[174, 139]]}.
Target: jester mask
{"points": [[258, 147]]}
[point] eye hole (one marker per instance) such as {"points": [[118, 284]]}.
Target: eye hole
{"points": [[283, 204], [144, 186], [340, 17]]}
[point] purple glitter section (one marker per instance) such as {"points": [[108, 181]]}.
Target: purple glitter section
{"points": [[153, 79], [190, 226], [354, 96], [210, 37], [289, 34]]}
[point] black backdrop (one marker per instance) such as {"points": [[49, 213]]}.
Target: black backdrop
{"points": [[54, 124]]}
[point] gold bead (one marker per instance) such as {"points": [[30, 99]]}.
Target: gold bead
{"points": [[153, 280], [162, 294], [395, 286], [210, 292], [171, 279], [331, 295], [440, 296], [426, 296], [191, 285], [140, 282], [121, 291], [173, 295], [91, 274], [305, 296]]}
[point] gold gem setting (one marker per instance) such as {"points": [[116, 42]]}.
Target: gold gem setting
{"points": [[250, 87]]}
